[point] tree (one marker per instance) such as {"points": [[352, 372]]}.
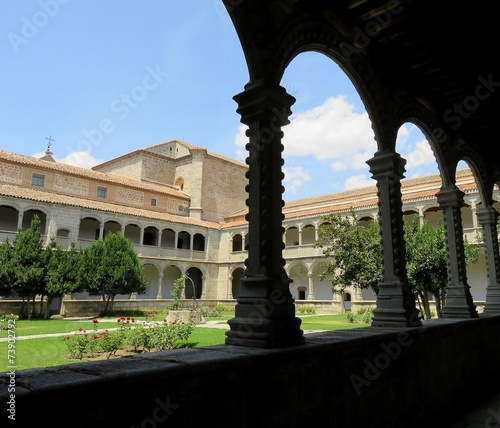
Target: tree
{"points": [[427, 262], [110, 267], [352, 251], [176, 294], [7, 276], [354, 259], [62, 272], [30, 269]]}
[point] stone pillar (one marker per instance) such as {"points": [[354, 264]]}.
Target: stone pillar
{"points": [[101, 230], [141, 241], [395, 300], [310, 295], [20, 218], [459, 302], [203, 294], [229, 293], [160, 280], [265, 309], [488, 219]]}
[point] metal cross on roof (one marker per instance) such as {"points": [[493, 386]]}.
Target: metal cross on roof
{"points": [[50, 141]]}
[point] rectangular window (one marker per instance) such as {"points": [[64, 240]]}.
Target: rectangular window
{"points": [[38, 180], [102, 192], [153, 202]]}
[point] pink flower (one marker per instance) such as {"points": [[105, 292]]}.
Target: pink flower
{"points": [[95, 321]]}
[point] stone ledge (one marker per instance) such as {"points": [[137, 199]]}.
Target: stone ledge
{"points": [[392, 374]]}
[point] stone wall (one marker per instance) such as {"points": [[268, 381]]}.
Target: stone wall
{"points": [[373, 377]]}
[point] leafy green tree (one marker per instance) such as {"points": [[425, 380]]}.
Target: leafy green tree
{"points": [[353, 254], [62, 272], [7, 276], [110, 267], [352, 251], [30, 269], [176, 294], [427, 261]]}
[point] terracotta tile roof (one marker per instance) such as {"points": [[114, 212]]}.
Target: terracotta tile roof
{"points": [[182, 143], [88, 173], [412, 189], [54, 198]]}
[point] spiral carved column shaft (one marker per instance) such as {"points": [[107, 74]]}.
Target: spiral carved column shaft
{"points": [[395, 300], [488, 219], [265, 310], [459, 302]]}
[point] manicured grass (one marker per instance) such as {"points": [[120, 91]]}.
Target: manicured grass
{"points": [[51, 351], [28, 328], [328, 322]]}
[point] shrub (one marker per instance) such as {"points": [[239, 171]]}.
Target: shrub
{"points": [[141, 337], [7, 321], [367, 315], [350, 316], [211, 311], [309, 310]]}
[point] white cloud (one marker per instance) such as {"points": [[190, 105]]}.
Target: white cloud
{"points": [[295, 177], [82, 159], [355, 181], [421, 155], [333, 130], [338, 166], [341, 134]]}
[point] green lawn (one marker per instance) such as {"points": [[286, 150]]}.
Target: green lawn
{"points": [[51, 351]]}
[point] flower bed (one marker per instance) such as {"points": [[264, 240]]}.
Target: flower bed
{"points": [[128, 338]]}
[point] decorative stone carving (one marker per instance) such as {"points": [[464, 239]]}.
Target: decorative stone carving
{"points": [[395, 300], [459, 302], [265, 310]]}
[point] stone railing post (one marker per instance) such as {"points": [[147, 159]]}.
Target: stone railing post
{"points": [[458, 302], [395, 300], [265, 309]]}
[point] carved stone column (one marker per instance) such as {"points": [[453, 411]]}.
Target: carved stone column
{"points": [[310, 281], [488, 219], [159, 294], [395, 300], [459, 302], [265, 309]]}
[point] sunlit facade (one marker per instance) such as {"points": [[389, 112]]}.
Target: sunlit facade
{"points": [[183, 208]]}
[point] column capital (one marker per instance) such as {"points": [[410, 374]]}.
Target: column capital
{"points": [[449, 197], [387, 164], [487, 215], [262, 100]]}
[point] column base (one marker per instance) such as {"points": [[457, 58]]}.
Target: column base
{"points": [[395, 306], [263, 324], [459, 303], [492, 303], [386, 317], [264, 334]]}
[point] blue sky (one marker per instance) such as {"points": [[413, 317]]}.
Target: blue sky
{"points": [[104, 78]]}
